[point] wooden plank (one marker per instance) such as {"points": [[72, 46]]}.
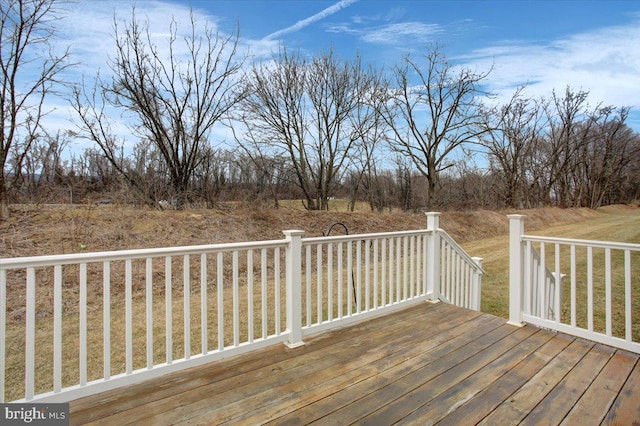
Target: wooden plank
{"points": [[414, 397], [555, 406], [466, 389], [248, 362], [338, 398], [518, 405], [307, 388], [259, 391], [597, 400], [417, 366], [626, 408], [475, 409], [227, 374], [306, 394], [395, 386]]}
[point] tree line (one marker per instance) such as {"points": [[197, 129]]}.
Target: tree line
{"points": [[422, 133]]}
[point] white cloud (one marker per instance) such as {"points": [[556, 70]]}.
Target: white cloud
{"points": [[88, 29], [400, 34], [415, 32], [605, 62]]}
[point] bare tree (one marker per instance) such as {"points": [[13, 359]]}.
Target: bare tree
{"points": [[605, 156], [362, 174], [512, 131], [627, 188], [42, 169], [434, 112], [568, 129], [377, 185], [559, 151], [313, 111], [174, 95], [29, 72], [468, 185], [211, 174], [372, 128], [405, 182]]}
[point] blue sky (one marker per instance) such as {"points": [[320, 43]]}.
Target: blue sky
{"points": [[589, 45]]}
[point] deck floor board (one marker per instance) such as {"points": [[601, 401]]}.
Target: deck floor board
{"points": [[431, 363], [604, 389], [484, 402], [556, 405]]}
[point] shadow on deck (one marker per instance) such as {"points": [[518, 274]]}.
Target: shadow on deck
{"points": [[423, 365]]}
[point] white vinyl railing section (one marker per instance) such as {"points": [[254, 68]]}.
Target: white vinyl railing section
{"points": [[460, 282], [537, 274], [72, 325], [601, 302]]}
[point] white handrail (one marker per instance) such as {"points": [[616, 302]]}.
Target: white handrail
{"points": [[66, 275], [583, 243], [462, 252], [76, 258], [548, 296], [353, 237], [461, 275], [382, 270]]}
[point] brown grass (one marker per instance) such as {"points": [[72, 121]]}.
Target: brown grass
{"points": [[42, 230]]}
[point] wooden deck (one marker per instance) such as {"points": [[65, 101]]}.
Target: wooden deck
{"points": [[423, 365]]}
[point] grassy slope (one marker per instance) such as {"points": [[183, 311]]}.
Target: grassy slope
{"points": [[47, 230], [616, 223]]}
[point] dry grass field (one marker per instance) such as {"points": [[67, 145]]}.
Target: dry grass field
{"points": [[42, 230], [612, 223]]}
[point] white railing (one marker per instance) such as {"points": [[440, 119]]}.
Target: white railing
{"points": [[73, 325], [601, 303], [545, 302], [347, 277], [460, 281], [126, 316]]}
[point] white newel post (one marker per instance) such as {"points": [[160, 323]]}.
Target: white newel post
{"points": [[294, 290], [476, 288], [433, 258], [516, 262]]}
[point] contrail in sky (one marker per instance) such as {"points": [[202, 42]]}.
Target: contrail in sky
{"points": [[310, 20]]}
